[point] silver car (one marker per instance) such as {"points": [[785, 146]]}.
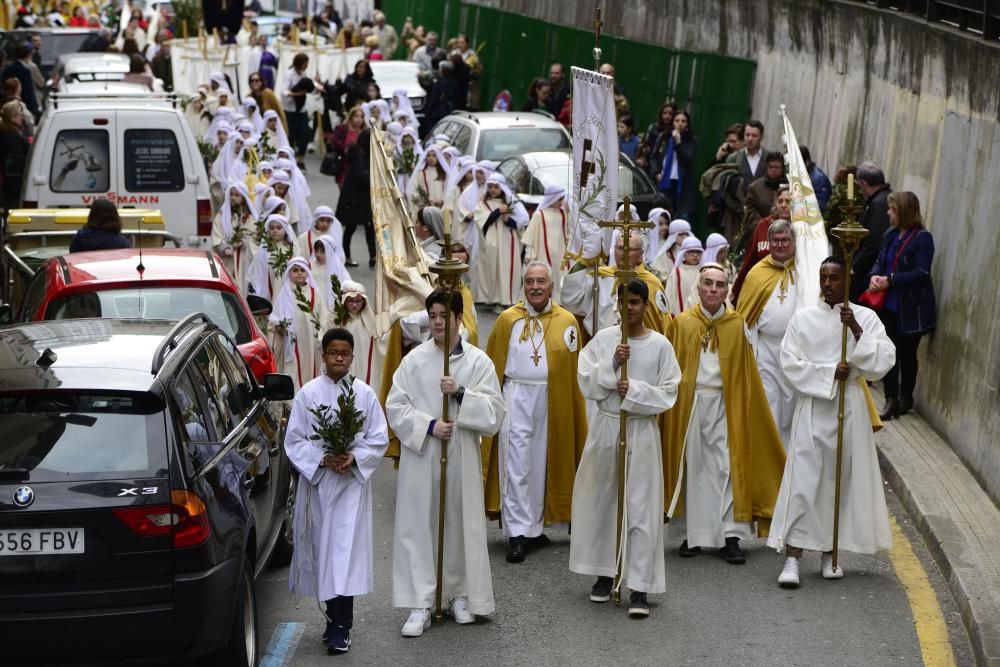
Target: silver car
{"points": [[489, 135]]}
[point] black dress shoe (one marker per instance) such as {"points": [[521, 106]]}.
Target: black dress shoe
{"points": [[516, 550], [905, 404], [350, 262], [539, 542], [371, 263], [891, 410], [732, 552], [685, 552]]}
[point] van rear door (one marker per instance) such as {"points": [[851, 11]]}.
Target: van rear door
{"points": [[75, 165]]}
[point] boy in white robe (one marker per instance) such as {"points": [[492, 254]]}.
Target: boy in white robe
{"points": [[333, 559], [651, 389], [413, 407], [810, 359]]}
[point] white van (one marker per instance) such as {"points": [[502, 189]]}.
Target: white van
{"points": [[134, 150]]}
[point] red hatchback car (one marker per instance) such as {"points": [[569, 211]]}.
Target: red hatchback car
{"points": [[169, 285]]}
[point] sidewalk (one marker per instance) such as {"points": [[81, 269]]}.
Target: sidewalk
{"points": [[958, 520]]}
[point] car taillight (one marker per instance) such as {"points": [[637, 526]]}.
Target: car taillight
{"points": [[28, 203], [204, 217], [192, 526], [186, 518]]}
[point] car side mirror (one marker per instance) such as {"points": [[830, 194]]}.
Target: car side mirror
{"points": [[259, 306], [6, 314], [278, 387]]}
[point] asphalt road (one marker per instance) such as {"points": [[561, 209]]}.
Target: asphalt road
{"points": [[713, 613]]}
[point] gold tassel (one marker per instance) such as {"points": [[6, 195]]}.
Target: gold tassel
{"points": [[531, 326], [710, 341]]}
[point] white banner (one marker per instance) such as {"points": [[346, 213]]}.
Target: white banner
{"points": [[595, 145], [811, 244]]}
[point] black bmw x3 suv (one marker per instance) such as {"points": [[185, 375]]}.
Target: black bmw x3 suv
{"points": [[143, 487]]}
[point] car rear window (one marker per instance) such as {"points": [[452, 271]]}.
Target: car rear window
{"points": [[501, 144], [153, 161], [80, 162], [156, 303], [57, 436]]}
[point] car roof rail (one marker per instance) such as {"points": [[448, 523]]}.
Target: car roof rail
{"points": [[169, 342], [170, 98]]}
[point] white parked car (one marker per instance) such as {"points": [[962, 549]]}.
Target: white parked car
{"points": [[489, 135], [391, 75], [78, 67], [135, 150]]}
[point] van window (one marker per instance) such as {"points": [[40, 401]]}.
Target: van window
{"points": [[153, 161], [80, 162]]}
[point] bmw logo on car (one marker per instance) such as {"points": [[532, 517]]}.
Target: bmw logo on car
{"points": [[23, 496]]}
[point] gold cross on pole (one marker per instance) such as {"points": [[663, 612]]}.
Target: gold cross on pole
{"points": [[626, 225]]}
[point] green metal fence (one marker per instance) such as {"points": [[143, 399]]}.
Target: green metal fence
{"points": [[515, 49]]}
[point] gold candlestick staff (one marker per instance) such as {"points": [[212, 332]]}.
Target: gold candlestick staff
{"points": [[449, 271], [849, 234], [625, 273]]}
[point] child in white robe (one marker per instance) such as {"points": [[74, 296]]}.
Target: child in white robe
{"points": [[294, 332], [682, 281]]}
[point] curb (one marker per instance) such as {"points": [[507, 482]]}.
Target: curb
{"points": [[955, 516]]}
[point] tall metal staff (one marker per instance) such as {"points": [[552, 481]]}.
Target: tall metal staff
{"points": [[449, 271], [849, 234], [624, 274]]}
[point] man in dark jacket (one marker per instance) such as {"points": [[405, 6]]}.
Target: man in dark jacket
{"points": [[761, 193], [163, 68], [874, 218], [19, 70], [560, 89]]}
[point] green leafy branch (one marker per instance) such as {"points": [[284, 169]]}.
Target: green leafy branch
{"points": [[280, 255], [340, 312], [303, 304], [339, 430]]}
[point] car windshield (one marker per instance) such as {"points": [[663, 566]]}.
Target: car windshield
{"points": [[156, 303], [501, 144], [56, 436]]}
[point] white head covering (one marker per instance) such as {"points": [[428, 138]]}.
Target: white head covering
{"points": [[223, 115], [271, 204], [411, 188], [333, 264], [474, 192], [352, 288], [226, 213], [229, 165], [383, 109], [653, 244], [553, 193], [298, 178], [262, 165], [219, 78], [713, 245], [442, 140], [253, 114], [409, 132], [246, 126], [280, 176], [285, 306], [401, 104], [676, 227], [454, 154], [518, 213], [258, 274], [336, 229], [297, 197], [279, 129], [464, 166], [690, 243], [394, 129]]}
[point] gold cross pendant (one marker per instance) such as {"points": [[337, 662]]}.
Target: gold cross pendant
{"points": [[781, 296], [536, 357]]}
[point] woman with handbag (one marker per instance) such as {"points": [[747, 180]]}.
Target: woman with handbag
{"points": [[900, 289]]}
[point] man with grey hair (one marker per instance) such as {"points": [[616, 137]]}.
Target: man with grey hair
{"points": [[425, 56], [767, 303], [388, 40], [533, 458], [874, 218]]}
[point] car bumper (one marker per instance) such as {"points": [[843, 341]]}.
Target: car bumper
{"points": [[197, 622]]}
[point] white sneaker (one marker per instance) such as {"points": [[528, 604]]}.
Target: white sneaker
{"points": [[828, 572], [460, 610], [789, 577], [419, 620]]}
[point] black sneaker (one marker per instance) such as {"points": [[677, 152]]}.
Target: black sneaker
{"points": [[516, 550], [326, 631], [732, 552], [638, 607], [687, 552], [339, 640], [601, 592]]}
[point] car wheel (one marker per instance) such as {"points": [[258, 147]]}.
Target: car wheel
{"points": [[285, 546], [241, 649]]}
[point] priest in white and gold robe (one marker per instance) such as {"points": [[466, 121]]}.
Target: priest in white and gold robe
{"points": [[810, 359], [545, 238], [476, 410], [535, 346], [651, 389], [767, 303]]}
